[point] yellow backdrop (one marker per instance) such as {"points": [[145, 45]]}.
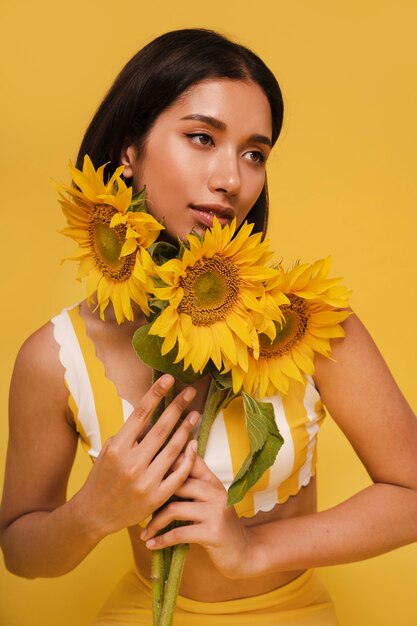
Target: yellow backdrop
{"points": [[342, 182]]}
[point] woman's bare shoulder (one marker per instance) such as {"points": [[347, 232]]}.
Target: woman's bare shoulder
{"points": [[355, 361], [39, 343], [38, 373]]}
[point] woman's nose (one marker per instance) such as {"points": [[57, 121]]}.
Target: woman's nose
{"points": [[225, 173]]}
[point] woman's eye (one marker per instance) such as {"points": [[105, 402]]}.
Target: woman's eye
{"points": [[255, 156], [200, 138]]}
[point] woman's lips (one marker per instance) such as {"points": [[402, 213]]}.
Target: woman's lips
{"points": [[206, 213]]}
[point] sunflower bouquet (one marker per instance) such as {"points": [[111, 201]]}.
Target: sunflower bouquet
{"points": [[215, 306]]}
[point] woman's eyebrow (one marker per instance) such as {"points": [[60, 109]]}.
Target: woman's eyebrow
{"points": [[212, 121]]}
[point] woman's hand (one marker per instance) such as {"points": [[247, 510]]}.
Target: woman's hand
{"points": [[44, 534], [214, 525], [134, 474]]}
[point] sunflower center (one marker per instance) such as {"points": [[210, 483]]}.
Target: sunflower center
{"points": [[211, 288], [294, 327], [106, 244]]}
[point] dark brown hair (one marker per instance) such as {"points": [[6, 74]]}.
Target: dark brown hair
{"points": [[154, 78]]}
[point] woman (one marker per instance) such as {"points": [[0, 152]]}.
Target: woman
{"points": [[193, 117]]}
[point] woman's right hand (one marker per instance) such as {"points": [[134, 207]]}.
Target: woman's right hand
{"points": [[133, 474]]}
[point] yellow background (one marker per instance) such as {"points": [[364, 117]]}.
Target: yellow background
{"points": [[342, 182]]}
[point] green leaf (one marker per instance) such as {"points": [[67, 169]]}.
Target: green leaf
{"points": [[159, 304], [162, 251], [148, 349], [138, 203], [223, 381], [265, 441]]}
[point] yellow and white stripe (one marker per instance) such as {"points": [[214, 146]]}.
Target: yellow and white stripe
{"points": [[98, 410], [298, 416]]}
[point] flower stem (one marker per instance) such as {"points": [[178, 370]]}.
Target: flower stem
{"points": [[214, 401], [157, 580], [211, 408], [174, 580], [160, 560]]}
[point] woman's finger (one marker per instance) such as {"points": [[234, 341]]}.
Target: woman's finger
{"points": [[194, 489], [157, 436], [201, 471], [173, 481], [190, 533], [136, 422], [180, 511], [167, 456]]}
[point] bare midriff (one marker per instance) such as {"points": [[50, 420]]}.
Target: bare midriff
{"points": [[202, 582]]}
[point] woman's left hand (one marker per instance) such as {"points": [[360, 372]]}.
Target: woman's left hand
{"points": [[214, 525]]}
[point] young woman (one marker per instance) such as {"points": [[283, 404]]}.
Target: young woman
{"points": [[193, 117]]}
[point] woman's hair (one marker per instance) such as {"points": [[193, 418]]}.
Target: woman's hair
{"points": [[154, 78]]}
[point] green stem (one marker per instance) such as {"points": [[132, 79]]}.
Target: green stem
{"points": [[168, 557], [157, 559], [157, 583], [173, 585], [211, 408], [214, 402], [160, 564]]}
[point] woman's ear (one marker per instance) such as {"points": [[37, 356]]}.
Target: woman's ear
{"points": [[129, 158]]}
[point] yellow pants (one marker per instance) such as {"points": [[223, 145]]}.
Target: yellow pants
{"points": [[302, 602]]}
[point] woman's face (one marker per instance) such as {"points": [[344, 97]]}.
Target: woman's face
{"points": [[204, 156]]}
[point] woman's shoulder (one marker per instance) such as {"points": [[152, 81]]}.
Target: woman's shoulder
{"points": [[39, 347], [356, 349], [38, 367], [360, 392], [42, 346], [354, 359]]}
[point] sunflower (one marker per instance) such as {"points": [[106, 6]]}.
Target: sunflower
{"points": [[211, 295], [311, 317], [112, 233]]}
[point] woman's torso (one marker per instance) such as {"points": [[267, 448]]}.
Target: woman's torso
{"points": [[108, 356]]}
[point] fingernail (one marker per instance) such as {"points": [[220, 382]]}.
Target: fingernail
{"points": [[166, 381], [143, 534], [194, 417], [193, 445], [150, 543], [189, 393]]}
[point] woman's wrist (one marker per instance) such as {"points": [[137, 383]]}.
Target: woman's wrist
{"points": [[255, 562], [251, 561], [262, 555], [85, 520]]}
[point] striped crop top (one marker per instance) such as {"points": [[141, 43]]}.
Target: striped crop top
{"points": [[99, 412]]}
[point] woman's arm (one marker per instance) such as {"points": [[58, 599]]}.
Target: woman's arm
{"points": [[41, 533], [363, 398]]}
